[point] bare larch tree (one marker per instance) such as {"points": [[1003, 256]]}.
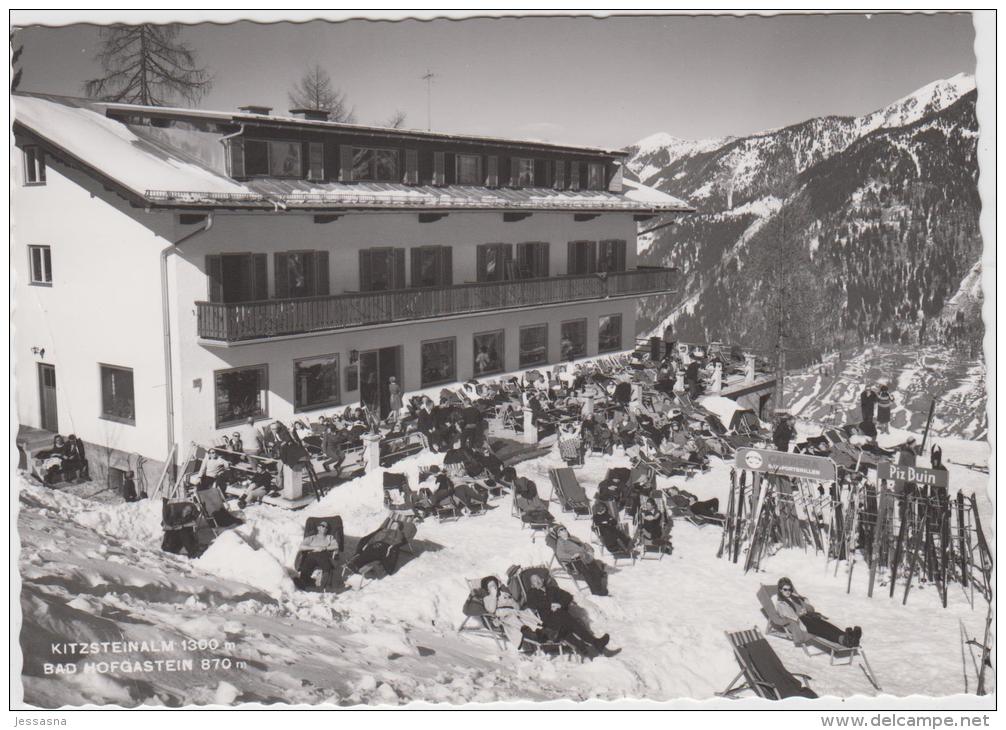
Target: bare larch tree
{"points": [[147, 64], [315, 91]]}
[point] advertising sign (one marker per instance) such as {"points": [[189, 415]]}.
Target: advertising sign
{"points": [[786, 464], [916, 474]]}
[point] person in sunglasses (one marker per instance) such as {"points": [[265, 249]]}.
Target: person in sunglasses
{"points": [[804, 621]]}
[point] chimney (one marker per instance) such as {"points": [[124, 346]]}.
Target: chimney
{"points": [[256, 109], [314, 115]]}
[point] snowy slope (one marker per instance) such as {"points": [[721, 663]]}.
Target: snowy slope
{"points": [[94, 572]]}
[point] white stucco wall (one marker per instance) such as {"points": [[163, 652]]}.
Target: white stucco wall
{"points": [[103, 306]]}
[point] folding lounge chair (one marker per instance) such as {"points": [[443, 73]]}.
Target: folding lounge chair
{"points": [[777, 627], [536, 526], [482, 622], [629, 554], [398, 497], [335, 528], [569, 493], [762, 671], [518, 581], [564, 569]]}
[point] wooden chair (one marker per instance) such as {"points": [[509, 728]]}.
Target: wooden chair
{"points": [[762, 671], [776, 626]]}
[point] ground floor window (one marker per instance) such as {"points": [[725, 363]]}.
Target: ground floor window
{"points": [[573, 339], [533, 345], [609, 333], [316, 382], [488, 353], [240, 394], [438, 362], [117, 394]]}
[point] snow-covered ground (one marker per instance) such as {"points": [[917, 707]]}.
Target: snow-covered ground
{"points": [[94, 572]]}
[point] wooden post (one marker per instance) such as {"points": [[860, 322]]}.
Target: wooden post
{"points": [[530, 429]]}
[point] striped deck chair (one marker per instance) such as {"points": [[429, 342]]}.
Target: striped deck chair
{"points": [[569, 493], [762, 671]]}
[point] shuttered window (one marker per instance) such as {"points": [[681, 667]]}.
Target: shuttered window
{"points": [[522, 172], [315, 161], [609, 333], [237, 277], [382, 269], [492, 261], [581, 257], [574, 175], [595, 176], [559, 175], [411, 167], [438, 168], [492, 171], [611, 256], [34, 165], [532, 260], [431, 266], [301, 274], [236, 157], [345, 163], [469, 169]]}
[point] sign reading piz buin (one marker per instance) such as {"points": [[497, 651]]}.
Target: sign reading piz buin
{"points": [[786, 464], [916, 474]]}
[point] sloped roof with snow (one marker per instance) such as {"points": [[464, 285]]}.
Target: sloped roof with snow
{"points": [[150, 169]]}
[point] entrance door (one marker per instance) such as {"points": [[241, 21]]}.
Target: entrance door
{"points": [[376, 367], [47, 397]]}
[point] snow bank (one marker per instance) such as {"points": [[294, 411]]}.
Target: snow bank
{"points": [[230, 556]]}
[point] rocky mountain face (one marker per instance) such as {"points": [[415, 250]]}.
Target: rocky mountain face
{"points": [[879, 214]]}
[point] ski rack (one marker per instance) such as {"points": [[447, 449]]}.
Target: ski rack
{"points": [[905, 540]]}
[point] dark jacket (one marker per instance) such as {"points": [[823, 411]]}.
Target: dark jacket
{"points": [[540, 600]]}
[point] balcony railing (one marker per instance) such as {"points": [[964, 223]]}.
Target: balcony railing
{"points": [[278, 317]]}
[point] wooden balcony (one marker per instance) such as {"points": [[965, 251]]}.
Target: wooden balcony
{"points": [[279, 317]]}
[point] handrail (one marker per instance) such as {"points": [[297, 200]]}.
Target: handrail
{"points": [[232, 322]]}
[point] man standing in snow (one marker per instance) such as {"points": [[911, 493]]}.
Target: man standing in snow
{"points": [[867, 403], [783, 433], [668, 340]]}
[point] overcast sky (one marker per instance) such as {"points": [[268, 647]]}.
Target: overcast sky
{"points": [[605, 82]]}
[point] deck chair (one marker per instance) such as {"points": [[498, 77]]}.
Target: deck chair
{"points": [[629, 554], [570, 448], [482, 623], [655, 549], [762, 671], [561, 568], [517, 581], [526, 488], [398, 497], [775, 626], [408, 531], [335, 528], [569, 493]]}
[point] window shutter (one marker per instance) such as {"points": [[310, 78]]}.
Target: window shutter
{"points": [[345, 163], [492, 171], [571, 257], [214, 274], [399, 280], [236, 147], [591, 247], [620, 255], [321, 273], [261, 276], [560, 175], [450, 168], [541, 260], [281, 263], [416, 261], [366, 269], [480, 262], [514, 172], [574, 175], [446, 266], [615, 183], [316, 161], [438, 168], [411, 167]]}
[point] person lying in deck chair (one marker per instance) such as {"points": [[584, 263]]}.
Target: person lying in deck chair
{"points": [[551, 603], [318, 552], [654, 527], [606, 525], [531, 507], [802, 619], [382, 546], [517, 623], [580, 557], [681, 499]]}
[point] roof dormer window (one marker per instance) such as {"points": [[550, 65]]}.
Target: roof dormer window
{"points": [[523, 172], [378, 165], [275, 158]]}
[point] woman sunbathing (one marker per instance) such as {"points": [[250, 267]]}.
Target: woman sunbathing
{"points": [[803, 621]]}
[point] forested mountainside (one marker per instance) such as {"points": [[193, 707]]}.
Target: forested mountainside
{"points": [[877, 215]]}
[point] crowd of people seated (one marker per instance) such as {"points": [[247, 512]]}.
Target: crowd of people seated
{"points": [[63, 462]]}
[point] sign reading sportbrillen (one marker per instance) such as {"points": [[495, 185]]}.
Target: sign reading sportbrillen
{"points": [[915, 474], [786, 464]]}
